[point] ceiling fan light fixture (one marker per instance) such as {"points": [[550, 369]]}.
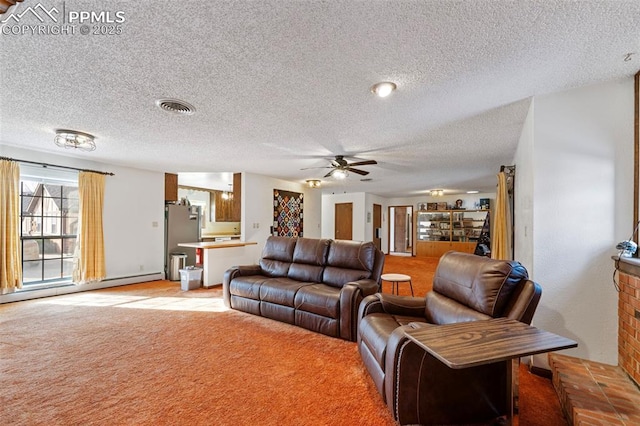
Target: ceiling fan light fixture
{"points": [[72, 139], [383, 89], [340, 174], [313, 183]]}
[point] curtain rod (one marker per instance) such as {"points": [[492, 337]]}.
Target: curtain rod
{"points": [[54, 165]]}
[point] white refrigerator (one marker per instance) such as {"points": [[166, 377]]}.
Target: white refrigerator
{"points": [[182, 224]]}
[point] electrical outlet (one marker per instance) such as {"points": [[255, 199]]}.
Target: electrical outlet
{"points": [[154, 224]]}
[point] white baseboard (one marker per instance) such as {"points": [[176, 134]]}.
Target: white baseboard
{"points": [[28, 294]]}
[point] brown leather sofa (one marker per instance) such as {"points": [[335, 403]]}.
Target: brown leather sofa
{"points": [[317, 284], [419, 389]]}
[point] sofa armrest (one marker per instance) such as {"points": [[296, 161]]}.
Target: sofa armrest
{"points": [[351, 295], [392, 304], [236, 271], [402, 305]]}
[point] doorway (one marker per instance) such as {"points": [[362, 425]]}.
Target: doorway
{"points": [[343, 229], [377, 226], [401, 230]]}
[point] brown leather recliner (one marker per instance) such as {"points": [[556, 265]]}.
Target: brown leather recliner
{"points": [[419, 389]]}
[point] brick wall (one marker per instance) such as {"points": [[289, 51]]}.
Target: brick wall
{"points": [[629, 325]]}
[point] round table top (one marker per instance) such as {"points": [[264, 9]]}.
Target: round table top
{"points": [[395, 277]]}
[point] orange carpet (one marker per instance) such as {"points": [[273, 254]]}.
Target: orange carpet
{"points": [[151, 354]]}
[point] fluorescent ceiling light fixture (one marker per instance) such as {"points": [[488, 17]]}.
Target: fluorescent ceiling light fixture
{"points": [[340, 174], [473, 192], [313, 183], [383, 89], [75, 140]]}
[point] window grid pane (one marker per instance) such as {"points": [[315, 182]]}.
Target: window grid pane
{"points": [[49, 218]]}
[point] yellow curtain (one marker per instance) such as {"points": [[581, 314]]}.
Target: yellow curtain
{"points": [[89, 254], [10, 261], [502, 239]]}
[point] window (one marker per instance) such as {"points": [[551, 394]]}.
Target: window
{"points": [[49, 224]]}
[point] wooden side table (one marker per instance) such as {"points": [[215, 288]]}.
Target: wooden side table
{"points": [[499, 340], [395, 279]]}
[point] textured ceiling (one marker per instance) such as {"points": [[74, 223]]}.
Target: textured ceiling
{"points": [[283, 85]]}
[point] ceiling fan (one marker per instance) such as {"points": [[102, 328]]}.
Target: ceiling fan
{"points": [[341, 167]]}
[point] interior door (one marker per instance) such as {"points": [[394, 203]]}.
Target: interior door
{"points": [[343, 221], [377, 226], [401, 229]]}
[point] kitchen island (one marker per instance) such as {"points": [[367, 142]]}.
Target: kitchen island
{"points": [[218, 256]]}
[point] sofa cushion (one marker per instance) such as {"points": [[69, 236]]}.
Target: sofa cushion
{"points": [[375, 329], [352, 255], [319, 299], [311, 251], [480, 283], [442, 310], [247, 287], [281, 291], [338, 277], [309, 257], [348, 261], [277, 256]]}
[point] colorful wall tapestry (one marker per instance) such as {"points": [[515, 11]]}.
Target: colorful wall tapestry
{"points": [[287, 213]]}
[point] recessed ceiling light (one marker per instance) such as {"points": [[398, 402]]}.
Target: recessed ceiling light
{"points": [[383, 89], [473, 192], [176, 106]]}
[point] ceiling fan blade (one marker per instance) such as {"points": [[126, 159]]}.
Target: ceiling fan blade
{"points": [[319, 167], [358, 171], [363, 163], [330, 173]]}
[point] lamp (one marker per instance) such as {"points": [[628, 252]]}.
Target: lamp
{"points": [[437, 192], [340, 174], [383, 89], [313, 183], [74, 139]]}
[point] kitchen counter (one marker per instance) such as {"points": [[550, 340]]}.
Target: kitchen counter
{"points": [[218, 256], [205, 237], [217, 244]]}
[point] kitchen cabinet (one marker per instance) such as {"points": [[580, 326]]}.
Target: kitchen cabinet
{"points": [[170, 187], [228, 204]]}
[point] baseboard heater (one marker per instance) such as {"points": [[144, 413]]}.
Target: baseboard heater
{"points": [[68, 288]]}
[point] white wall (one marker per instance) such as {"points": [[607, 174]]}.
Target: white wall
{"points": [[523, 199], [582, 168], [329, 202], [257, 207], [370, 200], [133, 216]]}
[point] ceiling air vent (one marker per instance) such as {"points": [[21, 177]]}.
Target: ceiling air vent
{"points": [[175, 106]]}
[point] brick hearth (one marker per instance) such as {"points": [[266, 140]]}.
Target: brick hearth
{"points": [[593, 393]]}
